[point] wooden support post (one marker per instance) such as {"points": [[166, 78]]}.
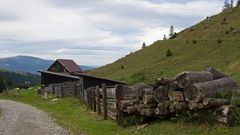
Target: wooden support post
{"points": [[75, 91], [62, 92], [6, 88], [98, 100], [104, 101], [53, 89], [90, 99], [119, 97], [94, 100]]}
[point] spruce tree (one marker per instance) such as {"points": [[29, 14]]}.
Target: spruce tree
{"points": [[231, 4], [171, 31], [164, 37], [238, 3], [169, 53], [226, 5], [143, 45]]}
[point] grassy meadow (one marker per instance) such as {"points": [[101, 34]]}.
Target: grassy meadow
{"points": [[73, 115]]}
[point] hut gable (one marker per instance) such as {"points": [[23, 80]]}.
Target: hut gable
{"points": [[64, 66]]}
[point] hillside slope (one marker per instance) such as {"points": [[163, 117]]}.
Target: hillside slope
{"points": [[213, 42]]}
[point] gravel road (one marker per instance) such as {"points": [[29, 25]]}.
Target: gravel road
{"points": [[22, 119]]}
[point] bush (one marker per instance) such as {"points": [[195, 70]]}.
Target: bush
{"points": [[194, 41], [219, 41], [131, 120], [173, 36], [168, 53], [123, 67], [232, 29], [200, 117], [224, 19]]}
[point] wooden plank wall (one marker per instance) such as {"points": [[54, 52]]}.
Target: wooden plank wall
{"points": [[103, 100], [66, 89]]}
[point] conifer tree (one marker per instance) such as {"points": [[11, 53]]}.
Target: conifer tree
{"points": [[164, 37], [238, 3], [143, 45], [171, 31], [226, 5], [231, 4]]}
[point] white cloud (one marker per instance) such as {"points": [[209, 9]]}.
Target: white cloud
{"points": [[92, 32]]}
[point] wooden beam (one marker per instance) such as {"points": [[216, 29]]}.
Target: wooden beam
{"points": [[104, 102], [98, 100]]}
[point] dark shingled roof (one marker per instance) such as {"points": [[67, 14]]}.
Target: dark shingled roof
{"points": [[70, 65]]}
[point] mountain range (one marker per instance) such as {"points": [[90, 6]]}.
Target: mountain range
{"points": [[28, 64]]}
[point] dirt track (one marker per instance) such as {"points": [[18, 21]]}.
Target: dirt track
{"points": [[22, 119]]}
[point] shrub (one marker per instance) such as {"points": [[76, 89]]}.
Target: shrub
{"points": [[219, 41], [168, 53], [173, 36], [194, 41], [227, 32], [224, 19], [232, 29], [123, 66], [131, 120]]}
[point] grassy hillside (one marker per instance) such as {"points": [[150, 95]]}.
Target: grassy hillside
{"points": [[214, 42]]}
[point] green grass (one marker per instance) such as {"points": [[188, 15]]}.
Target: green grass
{"points": [[0, 112], [192, 50], [73, 115]]}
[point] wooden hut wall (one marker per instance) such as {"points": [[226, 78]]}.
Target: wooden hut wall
{"points": [[92, 82], [47, 79]]}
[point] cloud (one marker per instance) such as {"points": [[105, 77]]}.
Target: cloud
{"points": [[93, 32]]}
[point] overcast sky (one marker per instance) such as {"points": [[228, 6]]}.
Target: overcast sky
{"points": [[93, 32]]}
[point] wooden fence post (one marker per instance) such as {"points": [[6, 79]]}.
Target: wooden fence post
{"points": [[90, 99], [53, 89], [104, 101], [98, 100], [62, 92], [119, 97], [94, 100]]}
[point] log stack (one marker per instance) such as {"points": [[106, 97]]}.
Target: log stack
{"points": [[187, 91]]}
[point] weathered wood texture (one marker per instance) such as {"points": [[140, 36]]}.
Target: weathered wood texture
{"points": [[198, 91], [186, 78], [216, 74]]}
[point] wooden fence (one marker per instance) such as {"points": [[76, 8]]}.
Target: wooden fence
{"points": [[101, 99], [66, 89]]}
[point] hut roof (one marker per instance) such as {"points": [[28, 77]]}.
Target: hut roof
{"points": [[70, 65]]}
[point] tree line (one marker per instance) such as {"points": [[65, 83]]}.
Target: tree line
{"points": [[15, 79], [230, 4]]}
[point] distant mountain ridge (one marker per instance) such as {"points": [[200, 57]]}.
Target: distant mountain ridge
{"points": [[28, 64]]}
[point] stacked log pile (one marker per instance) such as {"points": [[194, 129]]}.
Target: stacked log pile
{"points": [[187, 91]]}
